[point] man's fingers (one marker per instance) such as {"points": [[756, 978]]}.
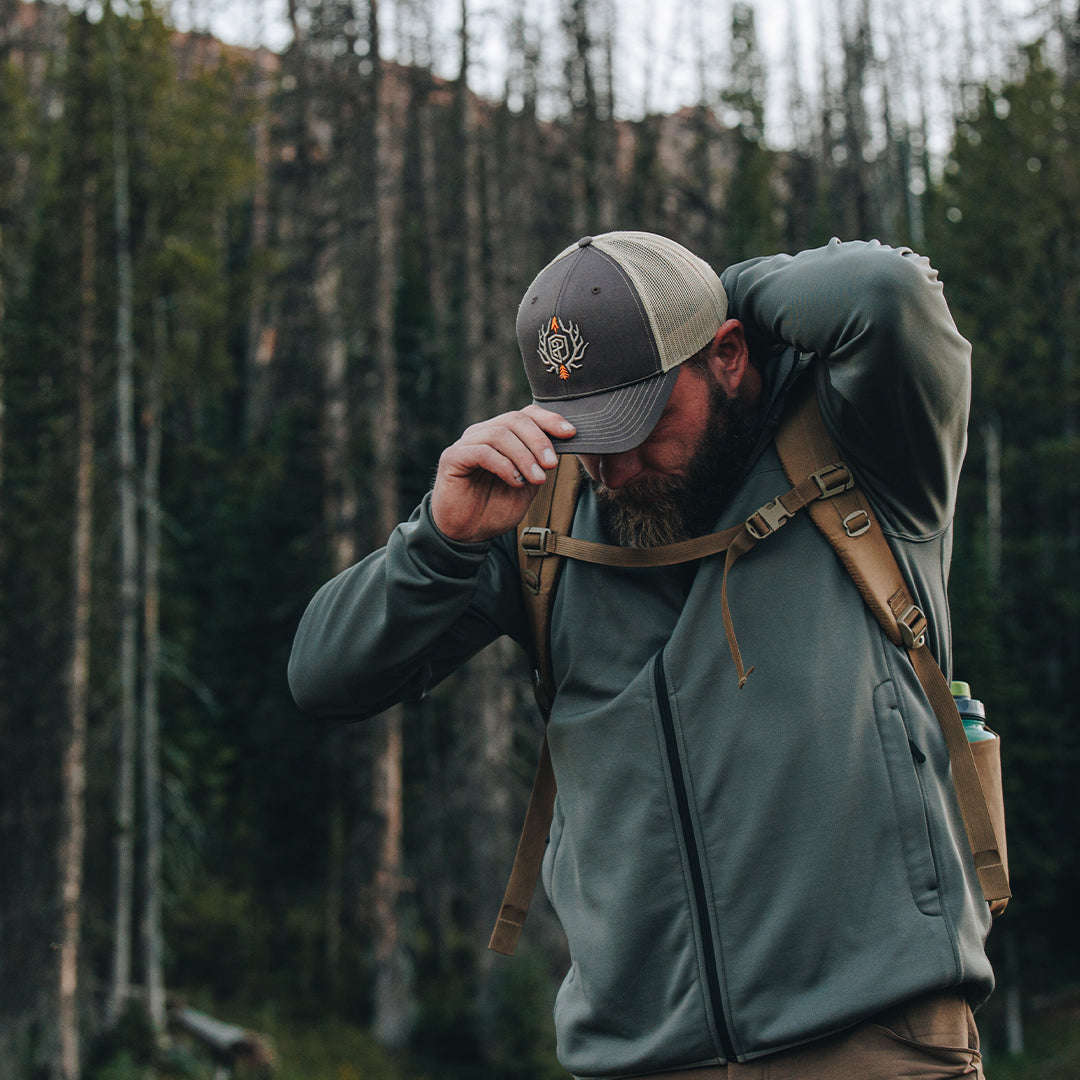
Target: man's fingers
{"points": [[500, 455], [483, 483], [519, 438], [551, 422]]}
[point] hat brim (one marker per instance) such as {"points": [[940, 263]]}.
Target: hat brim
{"points": [[613, 421]]}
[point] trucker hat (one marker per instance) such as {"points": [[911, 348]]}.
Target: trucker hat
{"points": [[604, 327]]}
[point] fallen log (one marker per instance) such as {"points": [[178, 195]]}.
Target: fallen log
{"points": [[229, 1044]]}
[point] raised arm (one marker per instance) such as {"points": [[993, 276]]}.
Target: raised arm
{"points": [[895, 385]]}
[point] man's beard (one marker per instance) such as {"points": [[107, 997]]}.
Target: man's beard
{"points": [[660, 510]]}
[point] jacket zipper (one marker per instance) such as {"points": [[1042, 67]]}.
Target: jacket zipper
{"points": [[690, 840]]}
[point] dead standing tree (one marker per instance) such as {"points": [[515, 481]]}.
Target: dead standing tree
{"points": [[392, 1018], [73, 770], [120, 985]]}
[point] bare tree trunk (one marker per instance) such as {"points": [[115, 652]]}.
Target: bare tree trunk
{"points": [[490, 682], [392, 1003], [508, 202], [994, 519], [152, 941], [584, 129], [858, 61], [1014, 1024], [120, 984], [340, 503], [260, 332], [477, 400], [393, 1009], [2, 399], [340, 497], [4, 718], [431, 180], [73, 772], [607, 135]]}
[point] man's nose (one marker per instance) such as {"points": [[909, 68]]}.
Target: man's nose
{"points": [[617, 470]]}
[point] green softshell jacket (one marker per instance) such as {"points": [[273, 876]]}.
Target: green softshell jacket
{"points": [[737, 871]]}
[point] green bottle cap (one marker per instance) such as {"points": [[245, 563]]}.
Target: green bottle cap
{"points": [[960, 689]]}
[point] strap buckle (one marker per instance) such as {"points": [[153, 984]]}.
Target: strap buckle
{"points": [[534, 541], [765, 520], [833, 479], [912, 627]]}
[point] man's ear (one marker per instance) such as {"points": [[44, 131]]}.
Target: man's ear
{"points": [[729, 357]]}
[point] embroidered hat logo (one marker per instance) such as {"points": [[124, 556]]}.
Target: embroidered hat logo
{"points": [[562, 347]]}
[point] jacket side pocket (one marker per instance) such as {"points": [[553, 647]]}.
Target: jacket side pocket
{"points": [[902, 761]]}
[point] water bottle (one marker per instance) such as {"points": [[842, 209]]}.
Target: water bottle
{"points": [[972, 712]]}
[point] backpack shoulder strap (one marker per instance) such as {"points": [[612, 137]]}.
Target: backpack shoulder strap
{"points": [[849, 524], [551, 509]]}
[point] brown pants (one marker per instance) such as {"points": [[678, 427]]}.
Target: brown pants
{"points": [[931, 1038]]}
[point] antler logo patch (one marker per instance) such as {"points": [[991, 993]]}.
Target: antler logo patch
{"points": [[561, 347]]}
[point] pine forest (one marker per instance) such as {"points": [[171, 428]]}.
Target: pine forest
{"points": [[248, 294]]}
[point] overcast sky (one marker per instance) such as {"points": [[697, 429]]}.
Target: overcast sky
{"points": [[664, 45]]}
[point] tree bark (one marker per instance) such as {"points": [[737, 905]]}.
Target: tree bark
{"points": [[340, 502], [392, 1018], [994, 518], [73, 771], [475, 359], [120, 984], [152, 940], [2, 398], [584, 125], [431, 184], [340, 496], [261, 334]]}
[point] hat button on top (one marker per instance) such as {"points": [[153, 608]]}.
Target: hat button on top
{"points": [[585, 241]]}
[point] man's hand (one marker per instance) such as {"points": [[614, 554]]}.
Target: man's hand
{"points": [[488, 478]]}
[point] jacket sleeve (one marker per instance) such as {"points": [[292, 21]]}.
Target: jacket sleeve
{"points": [[895, 383], [394, 625]]}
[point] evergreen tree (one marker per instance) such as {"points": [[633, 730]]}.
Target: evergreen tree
{"points": [[1004, 232], [750, 200]]}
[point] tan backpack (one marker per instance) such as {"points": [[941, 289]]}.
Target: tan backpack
{"points": [[825, 487]]}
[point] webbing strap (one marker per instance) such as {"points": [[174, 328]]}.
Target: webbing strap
{"points": [[527, 859], [552, 508], [540, 541], [537, 542], [803, 442]]}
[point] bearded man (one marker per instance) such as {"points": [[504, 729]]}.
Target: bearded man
{"points": [[769, 880]]}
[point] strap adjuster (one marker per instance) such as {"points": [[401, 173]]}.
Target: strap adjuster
{"points": [[765, 520], [912, 627], [833, 479], [856, 523], [534, 541]]}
